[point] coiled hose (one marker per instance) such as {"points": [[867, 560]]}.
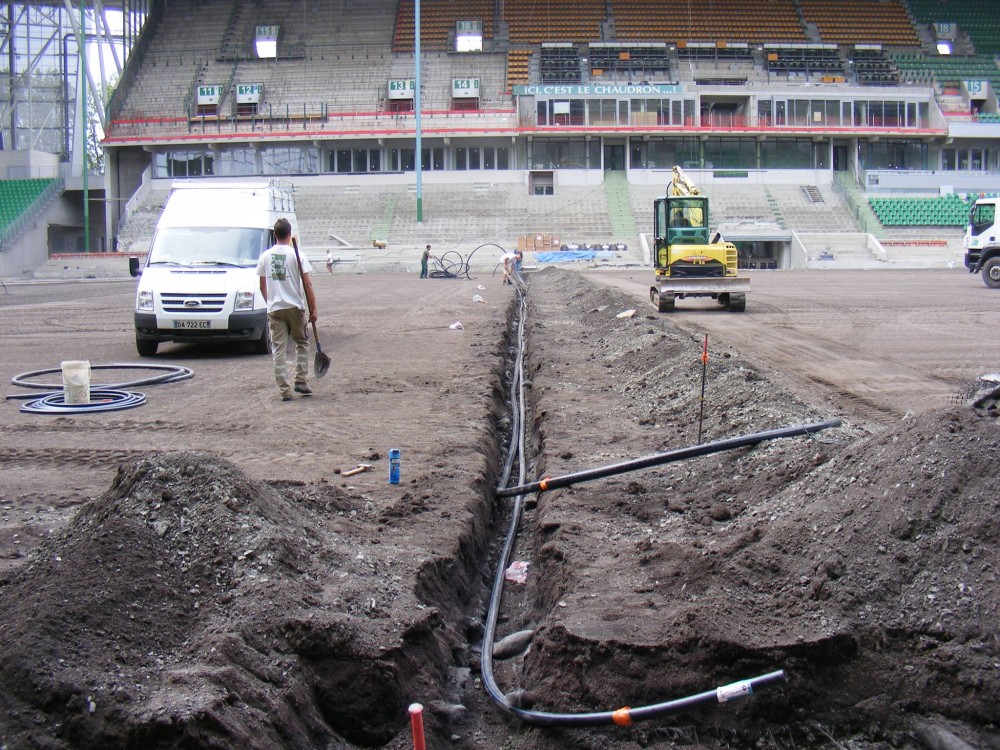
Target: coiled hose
{"points": [[623, 716], [111, 397]]}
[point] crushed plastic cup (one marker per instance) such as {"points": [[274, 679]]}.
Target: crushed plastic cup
{"points": [[478, 298], [517, 572], [456, 326]]}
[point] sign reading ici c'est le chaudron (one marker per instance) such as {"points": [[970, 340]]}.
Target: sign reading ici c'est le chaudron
{"points": [[598, 89]]}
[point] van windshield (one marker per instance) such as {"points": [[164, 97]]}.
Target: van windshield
{"points": [[191, 246]]}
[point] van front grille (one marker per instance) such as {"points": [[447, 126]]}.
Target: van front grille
{"points": [[178, 302]]}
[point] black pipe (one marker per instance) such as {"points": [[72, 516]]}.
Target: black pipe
{"points": [[626, 716], [551, 483]]}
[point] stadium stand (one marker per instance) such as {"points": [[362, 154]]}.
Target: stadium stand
{"points": [[531, 22], [673, 21], [946, 70], [806, 59], [17, 197], [559, 62], [518, 67], [20, 200], [437, 23], [872, 66], [858, 21], [977, 18], [948, 210], [634, 61]]}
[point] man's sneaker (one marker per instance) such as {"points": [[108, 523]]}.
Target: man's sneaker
{"points": [[285, 396], [304, 389]]}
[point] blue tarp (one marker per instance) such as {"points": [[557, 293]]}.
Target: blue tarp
{"points": [[563, 256]]}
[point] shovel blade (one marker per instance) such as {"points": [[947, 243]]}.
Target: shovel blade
{"points": [[321, 363]]}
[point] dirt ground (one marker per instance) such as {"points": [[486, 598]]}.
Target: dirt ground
{"points": [[195, 572]]}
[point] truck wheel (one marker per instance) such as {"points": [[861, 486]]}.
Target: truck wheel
{"points": [[991, 272], [263, 344], [146, 348], [737, 302]]}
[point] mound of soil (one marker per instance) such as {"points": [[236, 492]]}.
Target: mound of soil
{"points": [[191, 605]]}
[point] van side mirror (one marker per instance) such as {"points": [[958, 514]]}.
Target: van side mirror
{"points": [[133, 266]]}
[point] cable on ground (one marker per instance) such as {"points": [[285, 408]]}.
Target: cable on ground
{"points": [[623, 716]]}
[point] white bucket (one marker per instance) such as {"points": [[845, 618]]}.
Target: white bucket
{"points": [[76, 381]]}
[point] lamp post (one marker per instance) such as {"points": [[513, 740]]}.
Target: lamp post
{"points": [[416, 103]]}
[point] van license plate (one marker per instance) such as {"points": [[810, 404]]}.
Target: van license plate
{"points": [[192, 324]]}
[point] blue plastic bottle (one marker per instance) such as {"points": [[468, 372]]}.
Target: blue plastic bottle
{"points": [[394, 466]]}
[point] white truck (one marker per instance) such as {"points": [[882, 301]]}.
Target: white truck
{"points": [[199, 283], [982, 241]]}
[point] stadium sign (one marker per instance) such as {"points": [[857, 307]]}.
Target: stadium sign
{"points": [[592, 89], [402, 88], [976, 89], [249, 93], [465, 88], [209, 94]]}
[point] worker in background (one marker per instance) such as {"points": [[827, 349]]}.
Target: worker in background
{"points": [[423, 261]]}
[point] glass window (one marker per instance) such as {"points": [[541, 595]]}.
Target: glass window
{"points": [[160, 165], [764, 112], [489, 160], [460, 159], [948, 159], [664, 153], [402, 159], [474, 162], [503, 157], [786, 153], [731, 153], [238, 162]]}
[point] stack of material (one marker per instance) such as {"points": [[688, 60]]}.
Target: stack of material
{"points": [[536, 243]]}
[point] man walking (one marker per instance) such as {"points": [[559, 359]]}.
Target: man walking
{"points": [[285, 284]]}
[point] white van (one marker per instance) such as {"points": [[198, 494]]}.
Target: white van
{"points": [[199, 283]]}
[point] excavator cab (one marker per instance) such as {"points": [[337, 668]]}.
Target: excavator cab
{"points": [[680, 220]]}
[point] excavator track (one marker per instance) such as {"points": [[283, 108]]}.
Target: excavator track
{"points": [[662, 301]]}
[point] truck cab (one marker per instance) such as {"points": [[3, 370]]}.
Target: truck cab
{"points": [[982, 245]]}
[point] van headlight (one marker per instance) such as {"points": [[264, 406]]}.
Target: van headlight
{"points": [[244, 300], [144, 300]]}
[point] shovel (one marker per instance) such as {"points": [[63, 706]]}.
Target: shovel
{"points": [[321, 362]]}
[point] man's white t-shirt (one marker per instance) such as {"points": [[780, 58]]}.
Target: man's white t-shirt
{"points": [[284, 283]]}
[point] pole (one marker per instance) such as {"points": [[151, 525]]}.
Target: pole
{"points": [[83, 125], [416, 104], [704, 368]]}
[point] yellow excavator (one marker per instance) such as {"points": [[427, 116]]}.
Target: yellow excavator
{"points": [[688, 262]]}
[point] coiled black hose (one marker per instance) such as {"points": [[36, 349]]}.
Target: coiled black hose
{"points": [[114, 397], [623, 716], [103, 399], [171, 374]]}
